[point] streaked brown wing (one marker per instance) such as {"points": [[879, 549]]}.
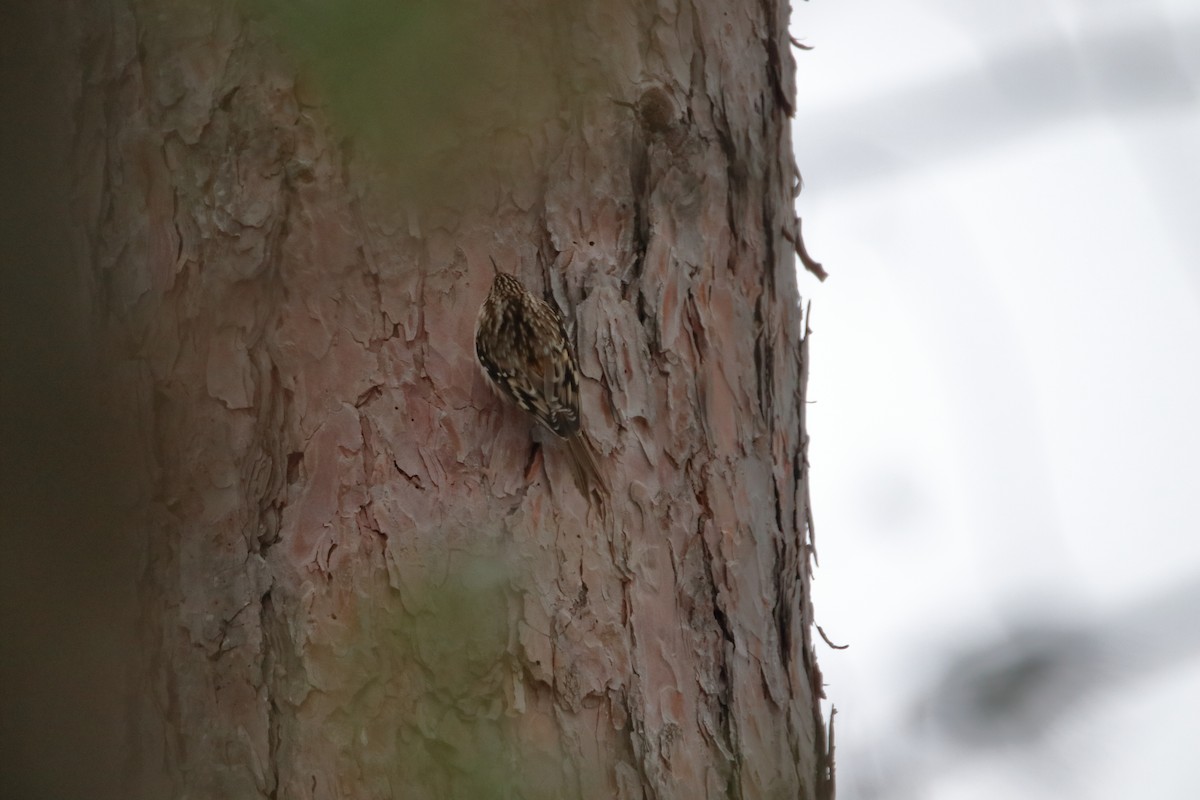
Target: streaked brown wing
{"points": [[531, 360]]}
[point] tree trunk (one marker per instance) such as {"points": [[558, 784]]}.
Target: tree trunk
{"points": [[365, 575]]}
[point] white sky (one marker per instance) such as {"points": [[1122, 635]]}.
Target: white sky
{"points": [[1006, 380]]}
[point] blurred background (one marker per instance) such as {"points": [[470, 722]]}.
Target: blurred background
{"points": [[1005, 390]]}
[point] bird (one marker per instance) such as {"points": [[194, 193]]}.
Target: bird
{"points": [[522, 346]]}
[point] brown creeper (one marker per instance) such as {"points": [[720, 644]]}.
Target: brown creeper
{"points": [[522, 345]]}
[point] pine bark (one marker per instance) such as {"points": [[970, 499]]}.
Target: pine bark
{"points": [[362, 574]]}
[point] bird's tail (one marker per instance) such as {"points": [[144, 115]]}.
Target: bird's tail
{"points": [[585, 468]]}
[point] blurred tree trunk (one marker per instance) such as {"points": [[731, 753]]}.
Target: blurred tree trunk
{"points": [[363, 575]]}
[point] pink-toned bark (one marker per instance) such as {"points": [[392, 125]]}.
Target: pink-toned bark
{"points": [[361, 579]]}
